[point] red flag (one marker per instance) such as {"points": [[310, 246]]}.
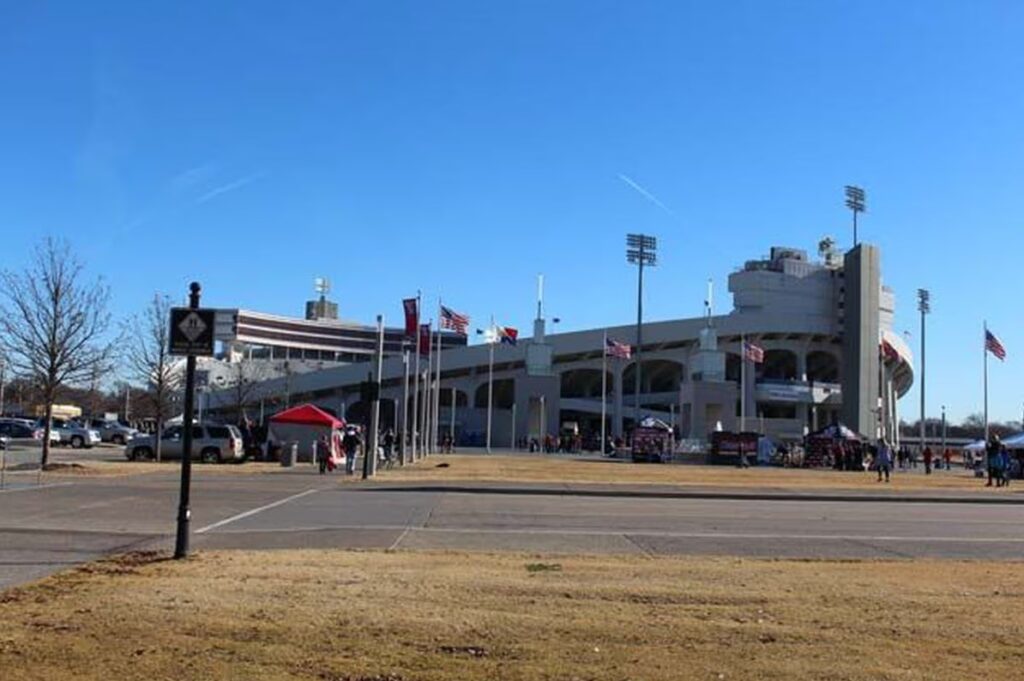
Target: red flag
{"points": [[411, 317], [424, 339]]}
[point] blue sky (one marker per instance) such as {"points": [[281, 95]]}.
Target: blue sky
{"points": [[463, 147]]}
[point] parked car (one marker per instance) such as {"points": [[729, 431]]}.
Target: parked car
{"points": [[16, 432], [5, 442], [112, 431], [20, 426], [210, 444], [73, 433]]}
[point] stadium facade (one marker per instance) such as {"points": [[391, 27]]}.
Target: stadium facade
{"points": [[830, 355]]}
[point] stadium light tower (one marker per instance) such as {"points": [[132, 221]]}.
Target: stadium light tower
{"points": [[924, 305], [855, 201], [641, 250]]}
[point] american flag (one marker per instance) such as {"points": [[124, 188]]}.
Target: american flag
{"points": [[616, 349], [993, 345], [450, 319], [753, 353]]}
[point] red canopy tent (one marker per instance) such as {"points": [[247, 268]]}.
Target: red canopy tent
{"points": [[303, 426], [307, 415]]}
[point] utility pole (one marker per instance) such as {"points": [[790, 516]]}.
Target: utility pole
{"points": [[925, 307], [640, 250]]}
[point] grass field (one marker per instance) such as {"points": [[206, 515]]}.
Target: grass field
{"points": [[498, 468], [324, 615]]}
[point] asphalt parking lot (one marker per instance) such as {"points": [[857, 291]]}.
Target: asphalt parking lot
{"points": [[72, 519]]}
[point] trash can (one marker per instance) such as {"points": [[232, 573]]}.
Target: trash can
{"points": [[290, 455]]}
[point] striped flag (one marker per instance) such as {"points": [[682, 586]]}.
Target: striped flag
{"points": [[753, 353], [613, 348], [993, 345], [506, 334], [450, 319]]}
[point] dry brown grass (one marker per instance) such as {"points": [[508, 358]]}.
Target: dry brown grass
{"points": [[447, 616], [93, 468], [499, 468]]}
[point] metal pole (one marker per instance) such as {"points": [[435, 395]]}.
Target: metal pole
{"points": [[436, 434], [405, 410], [943, 429], [3, 367], [184, 510], [490, 385], [451, 424], [984, 352], [374, 435], [127, 402], [923, 433], [513, 426], [604, 389], [639, 337], [743, 383], [416, 387]]}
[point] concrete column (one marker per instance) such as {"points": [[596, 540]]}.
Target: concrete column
{"points": [[801, 365]]}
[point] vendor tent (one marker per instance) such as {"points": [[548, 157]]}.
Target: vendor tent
{"points": [[836, 431], [304, 425], [978, 446], [1014, 442]]}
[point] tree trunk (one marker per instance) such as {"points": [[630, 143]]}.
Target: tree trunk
{"points": [[47, 427], [159, 436]]}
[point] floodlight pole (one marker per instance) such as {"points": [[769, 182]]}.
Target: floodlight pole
{"points": [[924, 306], [855, 201], [641, 250]]}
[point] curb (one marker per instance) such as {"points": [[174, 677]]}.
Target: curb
{"points": [[691, 494]]}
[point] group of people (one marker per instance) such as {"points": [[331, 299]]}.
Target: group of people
{"points": [[1000, 465], [349, 443]]}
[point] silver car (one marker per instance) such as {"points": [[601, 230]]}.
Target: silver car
{"points": [[72, 433], [210, 444], [112, 431]]}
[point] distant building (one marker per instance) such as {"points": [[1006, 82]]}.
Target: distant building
{"points": [[820, 322]]}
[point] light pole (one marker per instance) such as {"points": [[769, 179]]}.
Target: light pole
{"points": [[924, 305], [640, 250], [3, 367], [855, 202], [943, 430]]}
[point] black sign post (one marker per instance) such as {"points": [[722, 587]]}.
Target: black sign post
{"points": [[191, 335]]}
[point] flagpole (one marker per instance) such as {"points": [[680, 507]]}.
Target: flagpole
{"points": [[451, 421], [743, 383], [435, 436], [984, 351], [425, 442], [413, 434], [405, 408], [490, 384], [604, 387]]}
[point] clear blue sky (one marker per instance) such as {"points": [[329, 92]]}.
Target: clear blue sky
{"points": [[463, 147]]}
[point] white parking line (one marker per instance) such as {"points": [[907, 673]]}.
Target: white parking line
{"points": [[254, 511]]}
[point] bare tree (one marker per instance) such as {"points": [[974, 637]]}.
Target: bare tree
{"points": [[242, 380], [149, 358], [54, 324]]}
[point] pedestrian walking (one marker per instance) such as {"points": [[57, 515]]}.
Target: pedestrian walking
{"points": [[323, 453], [351, 444], [883, 460], [927, 460], [389, 448], [992, 450]]}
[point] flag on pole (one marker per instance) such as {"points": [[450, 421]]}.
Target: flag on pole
{"points": [[753, 353], [425, 339], [506, 334], [993, 345], [411, 315], [889, 352], [450, 319], [613, 348]]}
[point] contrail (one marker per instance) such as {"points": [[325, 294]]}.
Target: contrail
{"points": [[646, 194], [229, 187]]}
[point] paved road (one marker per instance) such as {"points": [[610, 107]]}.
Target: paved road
{"points": [[44, 529]]}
